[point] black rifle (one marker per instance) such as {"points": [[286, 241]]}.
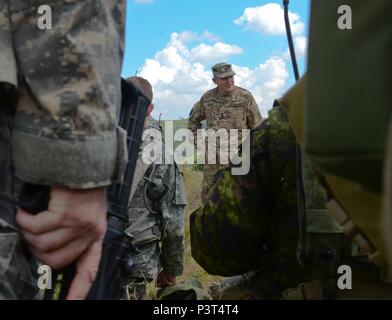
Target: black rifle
{"points": [[114, 265]]}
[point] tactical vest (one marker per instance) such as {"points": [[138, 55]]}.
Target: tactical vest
{"points": [[145, 218]]}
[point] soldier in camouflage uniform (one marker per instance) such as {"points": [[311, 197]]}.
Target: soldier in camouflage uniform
{"points": [[250, 224], [225, 107], [156, 215], [59, 98]]}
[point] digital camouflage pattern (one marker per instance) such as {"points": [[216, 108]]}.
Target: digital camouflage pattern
{"points": [[165, 195], [251, 222], [61, 89], [167, 225], [16, 272], [236, 111], [69, 87]]}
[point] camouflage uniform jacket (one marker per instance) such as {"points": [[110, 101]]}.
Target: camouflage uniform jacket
{"points": [[236, 111], [59, 99], [165, 195], [68, 82], [251, 222]]}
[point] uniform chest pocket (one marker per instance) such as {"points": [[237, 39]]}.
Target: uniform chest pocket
{"points": [[235, 114], [212, 114]]}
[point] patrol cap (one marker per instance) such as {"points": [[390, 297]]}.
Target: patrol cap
{"points": [[222, 70], [143, 85]]}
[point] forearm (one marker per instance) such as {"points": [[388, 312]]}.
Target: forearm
{"points": [[71, 230]]}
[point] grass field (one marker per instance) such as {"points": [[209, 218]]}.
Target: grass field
{"points": [[193, 180]]}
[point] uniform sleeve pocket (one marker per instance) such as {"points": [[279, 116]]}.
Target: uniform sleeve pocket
{"points": [[8, 243]]}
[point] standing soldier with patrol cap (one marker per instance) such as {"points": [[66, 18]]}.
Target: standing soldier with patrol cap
{"points": [[225, 107]]}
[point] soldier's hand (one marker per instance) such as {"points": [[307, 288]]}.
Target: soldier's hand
{"points": [[165, 279], [71, 230]]}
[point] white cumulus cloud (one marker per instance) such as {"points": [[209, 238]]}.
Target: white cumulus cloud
{"points": [[188, 36], [301, 45], [269, 19], [210, 53], [180, 74], [266, 82]]}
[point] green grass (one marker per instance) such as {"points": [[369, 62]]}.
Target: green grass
{"points": [[193, 183]]}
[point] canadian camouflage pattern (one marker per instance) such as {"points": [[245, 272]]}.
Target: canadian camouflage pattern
{"points": [[209, 172], [251, 222], [165, 225], [236, 111], [69, 89]]}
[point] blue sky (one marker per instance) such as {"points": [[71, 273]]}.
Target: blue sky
{"points": [[174, 43]]}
